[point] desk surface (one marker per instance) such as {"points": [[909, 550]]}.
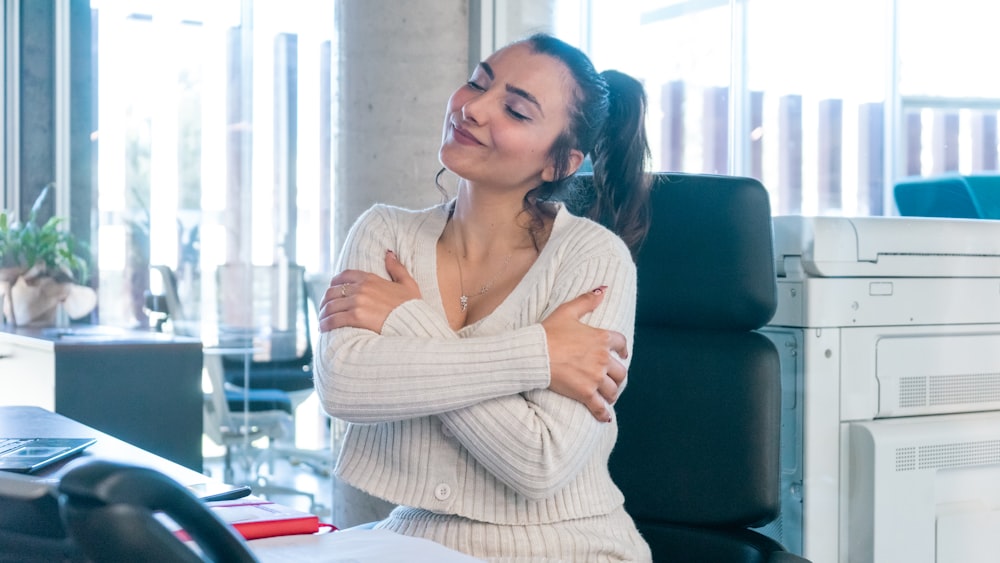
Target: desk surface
{"points": [[38, 422], [355, 545], [93, 335]]}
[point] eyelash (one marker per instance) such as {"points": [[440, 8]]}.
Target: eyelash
{"points": [[510, 111], [515, 115]]}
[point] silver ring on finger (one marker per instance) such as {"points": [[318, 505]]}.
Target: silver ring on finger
{"points": [[343, 290]]}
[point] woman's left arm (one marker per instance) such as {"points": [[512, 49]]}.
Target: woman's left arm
{"points": [[538, 441]]}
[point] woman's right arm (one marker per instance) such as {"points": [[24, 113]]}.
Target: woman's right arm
{"points": [[417, 366]]}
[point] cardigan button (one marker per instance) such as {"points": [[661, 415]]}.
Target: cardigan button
{"points": [[442, 491]]}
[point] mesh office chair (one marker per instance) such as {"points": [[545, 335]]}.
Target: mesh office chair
{"points": [[267, 309], [238, 415], [698, 451]]}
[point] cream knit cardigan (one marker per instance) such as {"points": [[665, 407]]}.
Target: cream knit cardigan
{"points": [[459, 428]]}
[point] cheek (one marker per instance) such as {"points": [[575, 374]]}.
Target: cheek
{"points": [[458, 99], [451, 107]]}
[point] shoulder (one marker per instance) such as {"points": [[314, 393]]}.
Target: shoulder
{"points": [[395, 214], [584, 238], [383, 216]]}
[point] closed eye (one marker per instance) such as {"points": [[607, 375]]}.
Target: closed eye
{"points": [[516, 115], [472, 84]]}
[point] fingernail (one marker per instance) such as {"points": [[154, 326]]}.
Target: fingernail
{"points": [[390, 252], [600, 290]]}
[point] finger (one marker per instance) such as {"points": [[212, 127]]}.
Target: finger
{"points": [[585, 303], [397, 272], [608, 388], [340, 278], [332, 321], [618, 344], [599, 409], [617, 372], [333, 293]]}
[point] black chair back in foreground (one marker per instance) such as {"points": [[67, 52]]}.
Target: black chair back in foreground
{"points": [[698, 450]]}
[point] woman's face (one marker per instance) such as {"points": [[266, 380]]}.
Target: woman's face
{"points": [[500, 126]]}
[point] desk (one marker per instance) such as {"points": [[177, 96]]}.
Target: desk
{"points": [[139, 386], [40, 423], [356, 545]]}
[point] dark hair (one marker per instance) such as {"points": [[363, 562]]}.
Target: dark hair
{"points": [[607, 123]]}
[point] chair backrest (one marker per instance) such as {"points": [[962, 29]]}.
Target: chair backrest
{"points": [[958, 196], [698, 451], [266, 306]]}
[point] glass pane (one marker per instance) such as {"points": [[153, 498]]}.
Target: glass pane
{"points": [[950, 96], [945, 49], [681, 52], [815, 108], [215, 123], [817, 103]]}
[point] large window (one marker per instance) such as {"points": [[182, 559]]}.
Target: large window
{"points": [[828, 103], [214, 124]]}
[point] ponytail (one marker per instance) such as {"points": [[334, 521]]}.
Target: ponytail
{"points": [[621, 158], [607, 123]]}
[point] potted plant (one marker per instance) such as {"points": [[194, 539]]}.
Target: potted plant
{"points": [[41, 267]]}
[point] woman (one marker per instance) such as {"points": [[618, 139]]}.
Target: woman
{"points": [[476, 347]]}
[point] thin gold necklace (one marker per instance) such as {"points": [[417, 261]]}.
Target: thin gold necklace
{"points": [[463, 300]]}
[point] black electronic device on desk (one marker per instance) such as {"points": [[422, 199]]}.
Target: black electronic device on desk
{"points": [[25, 455], [108, 511], [112, 488]]}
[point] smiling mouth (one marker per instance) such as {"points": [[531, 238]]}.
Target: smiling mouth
{"points": [[463, 136]]}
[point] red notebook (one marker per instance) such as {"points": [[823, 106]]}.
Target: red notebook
{"points": [[257, 518]]}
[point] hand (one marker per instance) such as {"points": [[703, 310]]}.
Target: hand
{"points": [[364, 300], [582, 359]]}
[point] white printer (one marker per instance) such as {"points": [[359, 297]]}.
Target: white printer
{"points": [[889, 334]]}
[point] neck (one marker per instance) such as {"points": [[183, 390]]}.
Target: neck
{"points": [[483, 226]]}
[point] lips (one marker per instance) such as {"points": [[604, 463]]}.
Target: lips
{"points": [[463, 137]]}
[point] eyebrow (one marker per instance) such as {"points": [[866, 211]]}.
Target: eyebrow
{"points": [[513, 89]]}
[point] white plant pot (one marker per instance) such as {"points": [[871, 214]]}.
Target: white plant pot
{"points": [[36, 304]]}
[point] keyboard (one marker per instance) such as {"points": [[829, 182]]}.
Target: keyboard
{"points": [[11, 444]]}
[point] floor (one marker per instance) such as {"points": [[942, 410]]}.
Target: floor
{"points": [[283, 479]]}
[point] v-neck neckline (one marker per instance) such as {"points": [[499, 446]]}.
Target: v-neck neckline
{"points": [[428, 280]]}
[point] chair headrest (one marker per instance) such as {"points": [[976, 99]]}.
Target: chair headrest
{"points": [[707, 261]]}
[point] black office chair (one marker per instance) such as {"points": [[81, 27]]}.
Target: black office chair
{"points": [[698, 451], [263, 310], [269, 407], [272, 299]]}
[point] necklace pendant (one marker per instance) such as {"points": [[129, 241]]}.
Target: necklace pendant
{"points": [[464, 300]]}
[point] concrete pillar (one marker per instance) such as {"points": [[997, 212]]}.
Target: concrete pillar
{"points": [[399, 62]]}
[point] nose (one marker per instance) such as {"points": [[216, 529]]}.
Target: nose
{"points": [[469, 114], [475, 110]]}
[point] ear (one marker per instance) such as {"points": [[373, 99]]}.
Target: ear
{"points": [[572, 165]]}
